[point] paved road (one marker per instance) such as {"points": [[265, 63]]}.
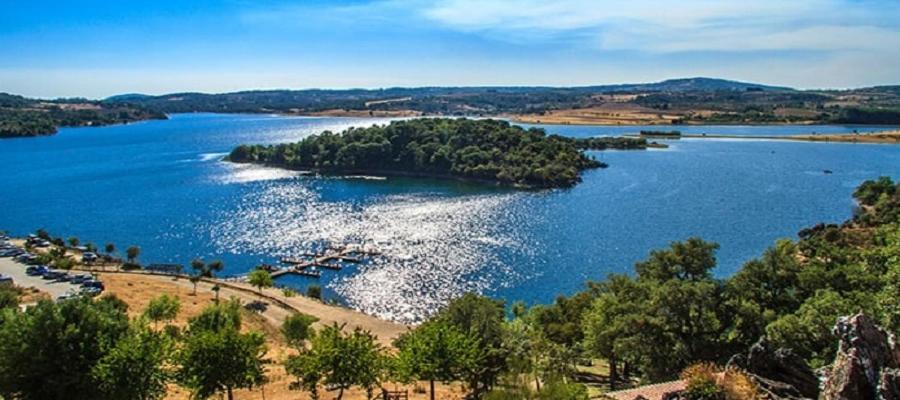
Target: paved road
{"points": [[8, 267]]}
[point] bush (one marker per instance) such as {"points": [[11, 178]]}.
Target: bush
{"points": [[554, 390], [130, 266], [314, 291], [288, 292], [701, 383]]}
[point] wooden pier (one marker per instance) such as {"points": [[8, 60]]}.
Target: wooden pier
{"points": [[330, 259]]}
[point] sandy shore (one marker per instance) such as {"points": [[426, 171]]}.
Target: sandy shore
{"points": [[885, 137]]}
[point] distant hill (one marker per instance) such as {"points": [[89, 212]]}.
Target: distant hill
{"points": [[127, 97], [24, 117], [689, 85], [698, 100]]}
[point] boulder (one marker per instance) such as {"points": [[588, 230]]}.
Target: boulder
{"points": [[780, 373], [861, 369], [889, 388]]}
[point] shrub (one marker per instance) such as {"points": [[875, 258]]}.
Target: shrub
{"points": [[314, 291]]}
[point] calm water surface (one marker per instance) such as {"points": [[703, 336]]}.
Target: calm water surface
{"points": [[160, 185]]}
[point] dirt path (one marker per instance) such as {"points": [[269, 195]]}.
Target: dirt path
{"points": [[279, 307]]}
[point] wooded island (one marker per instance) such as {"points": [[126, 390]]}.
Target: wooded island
{"points": [[486, 150]]}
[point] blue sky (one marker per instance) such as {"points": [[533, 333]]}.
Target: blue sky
{"points": [[96, 48]]}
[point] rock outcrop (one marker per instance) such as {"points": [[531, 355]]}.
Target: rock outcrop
{"points": [[865, 362], [889, 388], [780, 373]]}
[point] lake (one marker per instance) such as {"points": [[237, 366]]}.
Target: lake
{"points": [[161, 185]]}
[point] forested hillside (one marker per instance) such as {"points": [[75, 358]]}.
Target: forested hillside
{"points": [[21, 117], [691, 101]]}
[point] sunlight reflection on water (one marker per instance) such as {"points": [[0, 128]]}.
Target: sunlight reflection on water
{"points": [[433, 247]]}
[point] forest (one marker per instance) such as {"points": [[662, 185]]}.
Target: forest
{"points": [[22, 117], [690, 100], [489, 150]]}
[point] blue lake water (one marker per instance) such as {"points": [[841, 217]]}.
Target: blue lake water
{"points": [[160, 185]]}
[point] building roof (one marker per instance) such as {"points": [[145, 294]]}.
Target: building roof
{"points": [[657, 391]]}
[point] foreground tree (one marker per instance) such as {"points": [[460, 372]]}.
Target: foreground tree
{"points": [[260, 279], [482, 318], [297, 329], [162, 308], [137, 367], [436, 351], [216, 357], [340, 360], [51, 350]]}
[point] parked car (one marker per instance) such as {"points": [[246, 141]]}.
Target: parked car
{"points": [[41, 243], [88, 257], [63, 278], [6, 280], [14, 252], [53, 275], [93, 284], [67, 295], [79, 279], [91, 291]]}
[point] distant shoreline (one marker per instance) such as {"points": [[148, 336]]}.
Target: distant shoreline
{"points": [[884, 137]]}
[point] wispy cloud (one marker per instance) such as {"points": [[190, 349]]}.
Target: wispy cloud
{"points": [[693, 25]]}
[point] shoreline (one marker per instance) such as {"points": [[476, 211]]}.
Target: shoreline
{"points": [[385, 329], [883, 137], [351, 173]]}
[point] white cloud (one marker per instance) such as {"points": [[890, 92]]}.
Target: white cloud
{"points": [[670, 26]]}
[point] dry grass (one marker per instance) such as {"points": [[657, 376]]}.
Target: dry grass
{"points": [[137, 290], [613, 113]]}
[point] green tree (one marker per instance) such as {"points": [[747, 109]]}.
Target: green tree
{"points": [[436, 351], [137, 367], [9, 297], [314, 291], [215, 357], [214, 267], [305, 367], [73, 241], [195, 279], [162, 308], [50, 350], [482, 318], [132, 253], [260, 279], [297, 329], [110, 248], [343, 360], [611, 322]]}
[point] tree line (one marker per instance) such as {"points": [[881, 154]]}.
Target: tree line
{"points": [[22, 117], [490, 150]]}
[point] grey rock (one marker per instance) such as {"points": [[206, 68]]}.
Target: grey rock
{"points": [[780, 373], [889, 387], [864, 354]]}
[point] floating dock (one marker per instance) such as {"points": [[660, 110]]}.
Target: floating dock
{"points": [[323, 260]]}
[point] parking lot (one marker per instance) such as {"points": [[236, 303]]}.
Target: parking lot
{"points": [[55, 288]]}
